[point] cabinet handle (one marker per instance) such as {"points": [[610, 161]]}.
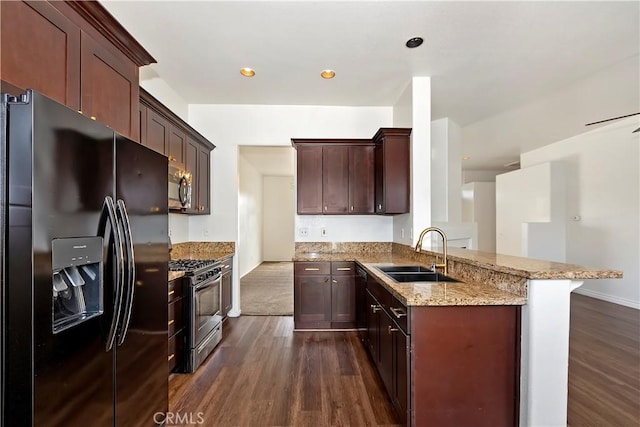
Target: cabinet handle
{"points": [[172, 292], [200, 208], [326, 280], [379, 207], [171, 356], [311, 269], [375, 308], [399, 313], [325, 208], [171, 322], [392, 330], [351, 208], [344, 268], [334, 281]]}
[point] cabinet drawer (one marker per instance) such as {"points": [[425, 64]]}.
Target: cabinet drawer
{"points": [[175, 316], [305, 268], [379, 292], [175, 289], [175, 351], [339, 268], [399, 313]]}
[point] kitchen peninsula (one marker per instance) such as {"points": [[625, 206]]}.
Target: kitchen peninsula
{"points": [[518, 306]]}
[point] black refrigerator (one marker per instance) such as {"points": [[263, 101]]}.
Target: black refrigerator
{"points": [[84, 240]]}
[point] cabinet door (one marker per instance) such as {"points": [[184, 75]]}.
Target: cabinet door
{"points": [[373, 326], [401, 354], [378, 158], [40, 50], [392, 174], [335, 179], [226, 293], [203, 180], [109, 88], [361, 180], [176, 144], [312, 301], [309, 184], [343, 299], [157, 134], [385, 365]]}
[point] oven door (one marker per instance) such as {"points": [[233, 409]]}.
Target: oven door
{"points": [[205, 309]]}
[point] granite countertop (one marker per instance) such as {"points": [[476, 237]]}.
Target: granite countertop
{"points": [[422, 293], [523, 267], [485, 278]]}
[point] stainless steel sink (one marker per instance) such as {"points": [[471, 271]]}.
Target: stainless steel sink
{"points": [[405, 269], [419, 276]]}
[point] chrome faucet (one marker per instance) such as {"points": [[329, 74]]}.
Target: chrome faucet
{"points": [[435, 265]]}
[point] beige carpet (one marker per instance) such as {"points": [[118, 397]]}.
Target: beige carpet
{"points": [[267, 290]]}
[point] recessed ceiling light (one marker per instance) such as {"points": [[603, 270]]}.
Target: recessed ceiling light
{"points": [[466, 158], [247, 72], [328, 74], [414, 42]]}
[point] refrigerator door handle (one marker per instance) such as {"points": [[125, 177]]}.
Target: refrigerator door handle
{"points": [[130, 271], [109, 213]]}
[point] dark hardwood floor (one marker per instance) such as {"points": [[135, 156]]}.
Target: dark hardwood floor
{"points": [[264, 374], [604, 364]]}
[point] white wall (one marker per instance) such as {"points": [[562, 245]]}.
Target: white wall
{"points": [[446, 171], [250, 211], [532, 195], [278, 231], [603, 189], [229, 126], [480, 175], [413, 109], [556, 116], [479, 207]]}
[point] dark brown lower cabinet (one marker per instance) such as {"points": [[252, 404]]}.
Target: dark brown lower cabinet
{"points": [[446, 365], [324, 295], [226, 294], [176, 325]]}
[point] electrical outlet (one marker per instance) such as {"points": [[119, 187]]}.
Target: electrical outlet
{"points": [[303, 231], [323, 232], [169, 232]]}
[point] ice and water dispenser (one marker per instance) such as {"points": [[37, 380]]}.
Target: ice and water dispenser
{"points": [[77, 281]]}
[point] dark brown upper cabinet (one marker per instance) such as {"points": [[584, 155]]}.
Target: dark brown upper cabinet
{"points": [[76, 53], [361, 179], [354, 176], [309, 179], [166, 133], [334, 176], [392, 170]]}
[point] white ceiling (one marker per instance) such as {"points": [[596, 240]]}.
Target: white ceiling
{"points": [[483, 57]]}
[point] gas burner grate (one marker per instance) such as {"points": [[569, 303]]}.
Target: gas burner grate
{"points": [[189, 265]]}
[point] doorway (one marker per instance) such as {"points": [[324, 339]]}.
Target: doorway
{"points": [[266, 243]]}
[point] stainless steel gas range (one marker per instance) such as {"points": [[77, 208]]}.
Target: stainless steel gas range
{"points": [[204, 320]]}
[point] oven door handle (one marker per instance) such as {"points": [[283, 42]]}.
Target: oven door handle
{"points": [[208, 283]]}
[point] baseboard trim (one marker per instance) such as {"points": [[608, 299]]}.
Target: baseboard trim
{"points": [[605, 297]]}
